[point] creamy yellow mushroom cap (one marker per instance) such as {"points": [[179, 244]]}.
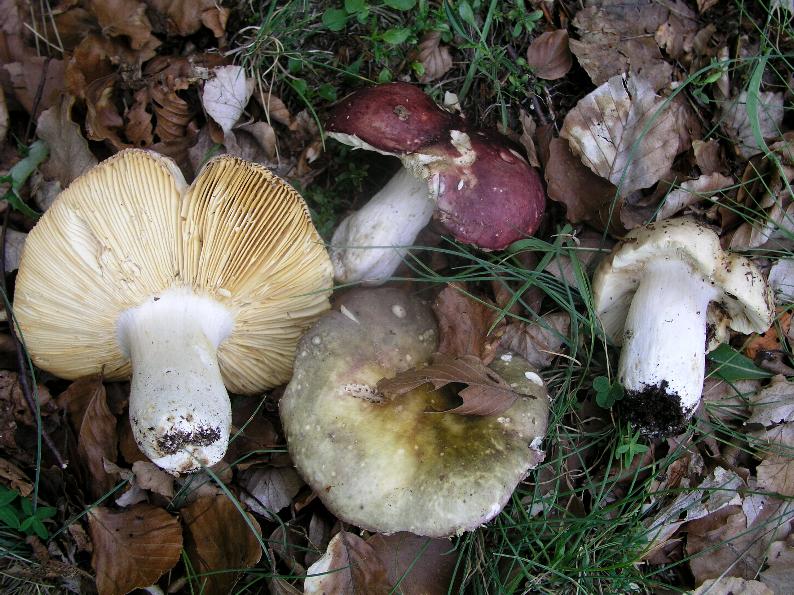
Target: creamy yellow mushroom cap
{"points": [[131, 227]]}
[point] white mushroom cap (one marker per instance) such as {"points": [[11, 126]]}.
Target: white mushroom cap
{"points": [[233, 262], [742, 291], [656, 295], [391, 465]]}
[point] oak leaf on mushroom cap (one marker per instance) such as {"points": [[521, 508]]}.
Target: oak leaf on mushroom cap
{"points": [[402, 464]]}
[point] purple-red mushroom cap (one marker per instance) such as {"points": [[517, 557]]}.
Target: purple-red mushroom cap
{"points": [[485, 191]]}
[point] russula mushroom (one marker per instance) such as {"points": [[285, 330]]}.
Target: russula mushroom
{"points": [[390, 465], [480, 189], [188, 290], [652, 295]]}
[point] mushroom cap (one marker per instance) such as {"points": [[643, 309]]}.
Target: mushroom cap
{"points": [[395, 118], [744, 295], [131, 227], [392, 465], [486, 192]]}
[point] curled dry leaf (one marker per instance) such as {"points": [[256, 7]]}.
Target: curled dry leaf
{"points": [[588, 198], [622, 132], [185, 17], [776, 470], [742, 127], [97, 441], [549, 55], [691, 192], [349, 565], [275, 109], [149, 476], [132, 548], [781, 279], [220, 542], [527, 138], [14, 477], [126, 18], [35, 78], [270, 490], [618, 37], [421, 565], [486, 394], [538, 342], [708, 156], [732, 585], [226, 94], [435, 58], [780, 561], [69, 155], [465, 324]]}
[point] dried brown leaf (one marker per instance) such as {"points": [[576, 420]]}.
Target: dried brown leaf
{"points": [[132, 548], [183, 17], [693, 191], [527, 138], [435, 58], [149, 476], [622, 133], [270, 490], [349, 565], [465, 324], [776, 470], [486, 394], [421, 565], [722, 544], [538, 342], [27, 77], [15, 478], [139, 129], [587, 197], [275, 109], [215, 19], [731, 585], [97, 442], [740, 126], [549, 55], [77, 397], [126, 18], [618, 37], [218, 539], [708, 156], [780, 560], [69, 156]]}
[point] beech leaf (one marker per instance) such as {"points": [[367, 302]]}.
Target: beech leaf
{"points": [[97, 441], [132, 548], [464, 324], [226, 95], [549, 55], [349, 565], [486, 394], [219, 542], [435, 58], [622, 132]]}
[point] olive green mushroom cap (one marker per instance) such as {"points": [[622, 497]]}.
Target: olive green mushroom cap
{"points": [[391, 465]]}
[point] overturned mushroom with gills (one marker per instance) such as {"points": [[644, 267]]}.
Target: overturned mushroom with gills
{"points": [[652, 295], [405, 463], [479, 188], [187, 290]]}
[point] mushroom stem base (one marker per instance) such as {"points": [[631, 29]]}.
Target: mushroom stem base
{"points": [[179, 408], [662, 362]]}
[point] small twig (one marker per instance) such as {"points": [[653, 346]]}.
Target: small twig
{"points": [[35, 106], [24, 382]]}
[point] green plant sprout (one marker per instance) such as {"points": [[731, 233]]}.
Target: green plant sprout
{"points": [[17, 513]]}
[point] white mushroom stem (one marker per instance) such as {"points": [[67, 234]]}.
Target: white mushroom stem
{"points": [[369, 245], [664, 338], [179, 408]]}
